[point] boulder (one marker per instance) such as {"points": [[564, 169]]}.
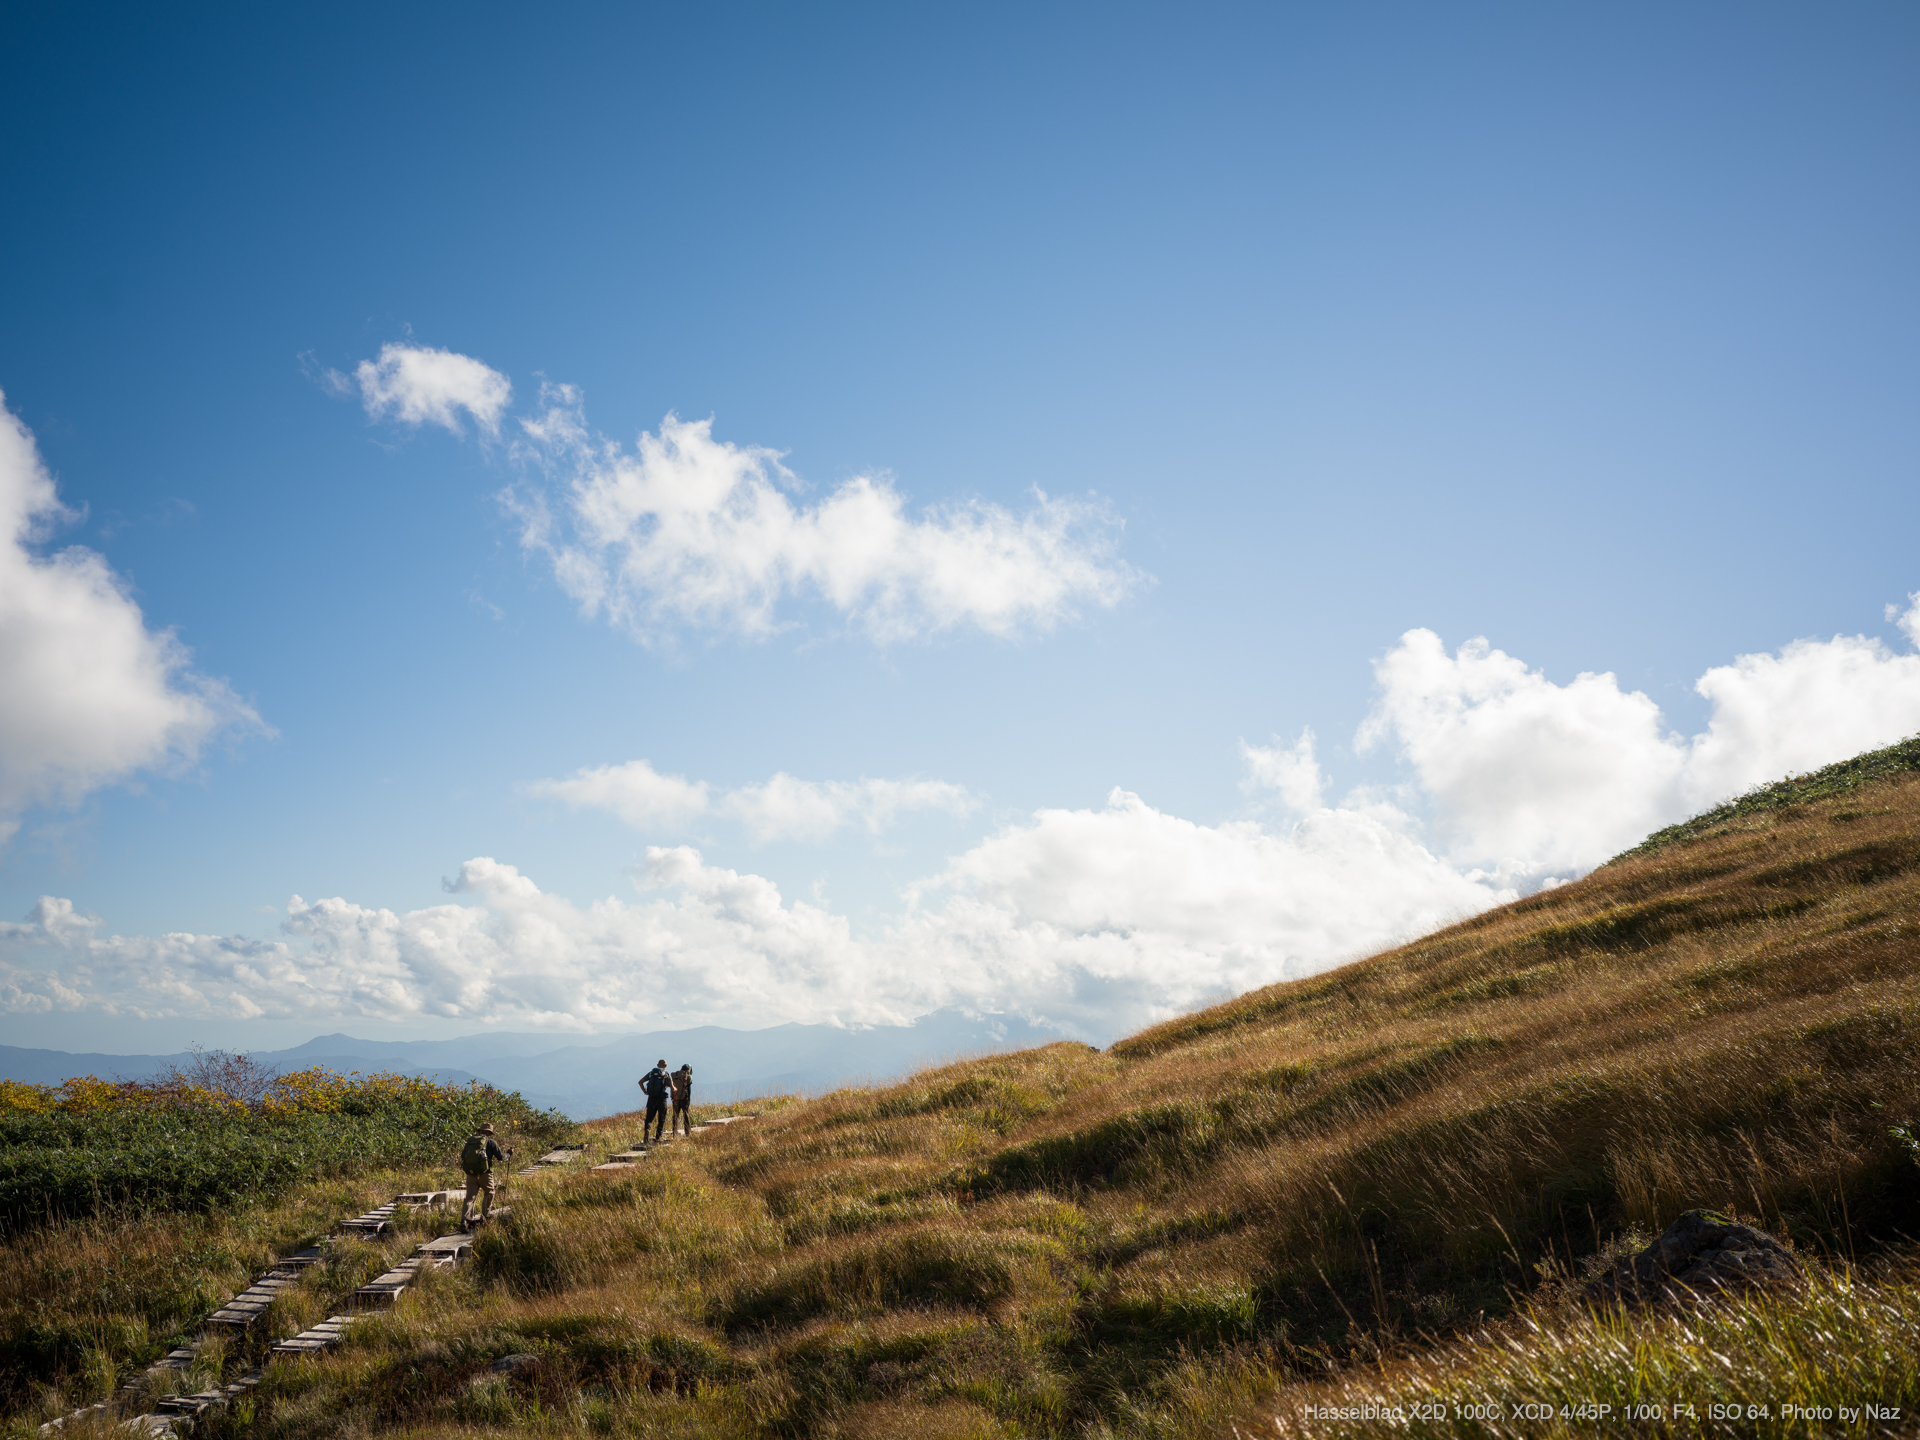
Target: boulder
{"points": [[1702, 1253]]}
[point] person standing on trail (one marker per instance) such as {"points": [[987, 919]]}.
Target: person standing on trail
{"points": [[682, 1081], [476, 1159], [656, 1086]]}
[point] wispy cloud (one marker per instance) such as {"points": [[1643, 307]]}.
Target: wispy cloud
{"points": [[89, 695], [1288, 771], [635, 791], [783, 808]]}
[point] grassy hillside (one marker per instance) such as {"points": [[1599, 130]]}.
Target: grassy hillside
{"points": [[1377, 1184]]}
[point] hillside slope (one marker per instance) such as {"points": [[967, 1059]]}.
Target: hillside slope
{"points": [[1166, 1236]]}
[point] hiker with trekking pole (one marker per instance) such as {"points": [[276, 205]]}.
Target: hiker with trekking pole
{"points": [[477, 1159]]}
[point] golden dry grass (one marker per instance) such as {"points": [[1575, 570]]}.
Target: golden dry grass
{"points": [[1300, 1192]]}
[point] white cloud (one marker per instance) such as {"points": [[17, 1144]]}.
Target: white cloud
{"points": [[88, 694], [1815, 702], [1104, 919], [418, 385], [692, 531], [635, 791], [1526, 777], [785, 808], [1909, 619], [1100, 920], [1290, 771]]}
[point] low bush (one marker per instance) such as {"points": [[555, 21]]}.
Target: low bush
{"points": [[91, 1147]]}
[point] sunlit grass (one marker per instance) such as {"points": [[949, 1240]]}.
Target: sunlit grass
{"points": [[1830, 1358], [1371, 1183]]}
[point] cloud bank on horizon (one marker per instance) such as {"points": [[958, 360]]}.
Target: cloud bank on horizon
{"points": [[1097, 921]]}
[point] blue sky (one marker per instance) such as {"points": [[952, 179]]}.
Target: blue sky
{"points": [[1587, 331]]}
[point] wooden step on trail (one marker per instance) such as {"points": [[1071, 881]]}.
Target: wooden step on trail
{"points": [[371, 1223], [172, 1412], [385, 1289], [310, 1342], [431, 1199], [251, 1303]]}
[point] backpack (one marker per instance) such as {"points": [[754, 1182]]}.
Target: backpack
{"points": [[473, 1155], [655, 1085]]}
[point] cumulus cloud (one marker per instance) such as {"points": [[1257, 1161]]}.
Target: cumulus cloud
{"points": [[1526, 777], [1290, 772], [418, 385], [635, 791], [88, 694], [687, 530], [1096, 920]]}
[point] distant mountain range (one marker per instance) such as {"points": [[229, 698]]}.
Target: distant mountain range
{"points": [[599, 1077]]}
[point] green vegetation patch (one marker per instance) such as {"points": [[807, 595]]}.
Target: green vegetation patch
{"points": [[90, 1148], [1765, 801]]}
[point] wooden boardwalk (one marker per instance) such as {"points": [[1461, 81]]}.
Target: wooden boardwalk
{"points": [[173, 1413]]}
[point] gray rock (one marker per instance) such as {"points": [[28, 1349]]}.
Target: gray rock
{"points": [[1702, 1253], [513, 1364]]}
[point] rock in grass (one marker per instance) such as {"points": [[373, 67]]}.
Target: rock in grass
{"points": [[513, 1364], [1703, 1252]]}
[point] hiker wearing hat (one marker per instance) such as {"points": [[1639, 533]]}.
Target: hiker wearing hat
{"points": [[657, 1087], [682, 1082], [476, 1158]]}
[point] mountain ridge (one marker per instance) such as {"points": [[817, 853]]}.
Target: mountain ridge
{"points": [[594, 1076]]}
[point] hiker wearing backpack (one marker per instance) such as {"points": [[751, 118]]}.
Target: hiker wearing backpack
{"points": [[656, 1087], [682, 1084], [476, 1159]]}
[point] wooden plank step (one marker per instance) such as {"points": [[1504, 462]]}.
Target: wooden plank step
{"points": [[557, 1157], [189, 1404], [455, 1244]]}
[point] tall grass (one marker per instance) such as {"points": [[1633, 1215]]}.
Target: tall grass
{"points": [[1373, 1182], [1839, 1356]]}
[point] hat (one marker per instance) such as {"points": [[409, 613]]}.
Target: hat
{"points": [[661, 1063], [487, 1129]]}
